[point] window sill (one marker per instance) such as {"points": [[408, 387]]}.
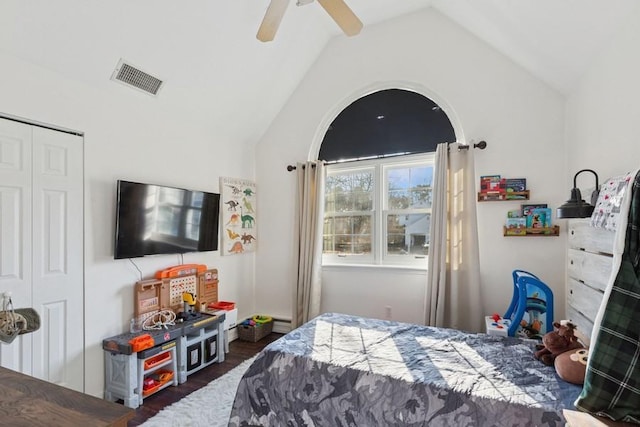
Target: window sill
{"points": [[341, 266]]}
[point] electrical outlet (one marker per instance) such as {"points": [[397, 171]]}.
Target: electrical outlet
{"points": [[387, 312]]}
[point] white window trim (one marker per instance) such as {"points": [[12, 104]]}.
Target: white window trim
{"points": [[380, 211]]}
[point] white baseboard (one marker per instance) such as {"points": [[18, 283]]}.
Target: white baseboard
{"points": [[281, 326]]}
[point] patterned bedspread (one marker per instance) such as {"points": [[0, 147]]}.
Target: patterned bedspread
{"points": [[340, 370]]}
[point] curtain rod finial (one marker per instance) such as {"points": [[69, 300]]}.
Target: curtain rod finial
{"points": [[290, 168], [481, 145]]}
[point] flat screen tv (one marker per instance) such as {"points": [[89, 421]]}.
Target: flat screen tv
{"points": [[155, 219]]}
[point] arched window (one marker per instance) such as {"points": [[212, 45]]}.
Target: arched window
{"points": [[385, 123], [378, 189]]}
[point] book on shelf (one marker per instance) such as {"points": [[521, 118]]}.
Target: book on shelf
{"points": [[492, 184], [516, 223], [516, 184], [539, 218], [527, 208], [516, 226]]}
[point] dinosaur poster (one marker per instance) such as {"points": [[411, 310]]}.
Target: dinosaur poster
{"points": [[238, 213]]}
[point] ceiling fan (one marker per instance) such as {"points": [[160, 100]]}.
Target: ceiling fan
{"points": [[337, 9]]}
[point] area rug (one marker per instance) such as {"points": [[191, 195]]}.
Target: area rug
{"points": [[210, 406]]}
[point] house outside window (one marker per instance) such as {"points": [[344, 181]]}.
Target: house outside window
{"points": [[378, 211]]}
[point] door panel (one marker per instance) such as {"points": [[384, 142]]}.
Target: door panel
{"points": [[11, 215], [54, 366], [41, 208], [54, 256]]}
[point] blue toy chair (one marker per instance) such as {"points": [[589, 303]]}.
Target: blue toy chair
{"points": [[533, 297]]}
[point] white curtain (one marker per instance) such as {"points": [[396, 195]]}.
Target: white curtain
{"points": [[308, 239], [452, 297]]}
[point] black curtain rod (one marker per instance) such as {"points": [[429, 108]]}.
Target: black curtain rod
{"points": [[292, 168], [481, 145], [331, 162]]}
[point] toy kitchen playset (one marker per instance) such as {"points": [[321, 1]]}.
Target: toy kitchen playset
{"points": [[177, 330]]}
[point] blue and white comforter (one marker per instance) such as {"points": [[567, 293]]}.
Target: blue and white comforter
{"points": [[340, 370]]}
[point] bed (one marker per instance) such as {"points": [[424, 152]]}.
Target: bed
{"points": [[369, 372], [343, 370]]}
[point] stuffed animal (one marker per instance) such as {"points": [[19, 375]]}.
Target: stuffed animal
{"points": [[556, 342], [571, 365]]}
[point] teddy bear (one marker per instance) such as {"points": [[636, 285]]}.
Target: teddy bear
{"points": [[556, 342]]}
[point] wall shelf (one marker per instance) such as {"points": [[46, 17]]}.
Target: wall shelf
{"points": [[532, 232], [511, 196]]}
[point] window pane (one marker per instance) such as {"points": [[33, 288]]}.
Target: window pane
{"points": [[349, 192], [408, 234], [347, 235], [409, 187], [399, 199]]}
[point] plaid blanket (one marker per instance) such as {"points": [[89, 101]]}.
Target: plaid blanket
{"points": [[612, 384]]}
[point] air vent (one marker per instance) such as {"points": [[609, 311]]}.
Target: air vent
{"points": [[134, 77]]}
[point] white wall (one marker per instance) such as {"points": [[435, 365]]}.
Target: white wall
{"points": [[521, 118], [372, 291], [132, 136], [603, 126]]}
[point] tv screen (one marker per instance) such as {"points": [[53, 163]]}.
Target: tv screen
{"points": [[155, 219]]}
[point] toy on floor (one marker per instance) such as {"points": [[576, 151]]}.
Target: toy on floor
{"points": [[531, 300], [496, 325]]}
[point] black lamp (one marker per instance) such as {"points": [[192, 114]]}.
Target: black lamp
{"points": [[576, 207]]}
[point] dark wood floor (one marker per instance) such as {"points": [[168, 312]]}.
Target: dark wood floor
{"points": [[239, 351]]}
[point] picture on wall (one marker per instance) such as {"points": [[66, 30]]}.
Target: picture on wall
{"points": [[238, 213]]}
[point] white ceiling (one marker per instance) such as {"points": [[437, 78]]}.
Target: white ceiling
{"points": [[209, 46], [555, 40]]}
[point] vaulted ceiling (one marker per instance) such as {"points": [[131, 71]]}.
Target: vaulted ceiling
{"points": [[209, 46]]}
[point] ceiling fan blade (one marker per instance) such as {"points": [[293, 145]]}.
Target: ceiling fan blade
{"points": [[343, 15], [271, 20]]}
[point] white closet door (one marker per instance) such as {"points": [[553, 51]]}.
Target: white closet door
{"points": [[15, 233], [56, 278], [58, 257]]}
